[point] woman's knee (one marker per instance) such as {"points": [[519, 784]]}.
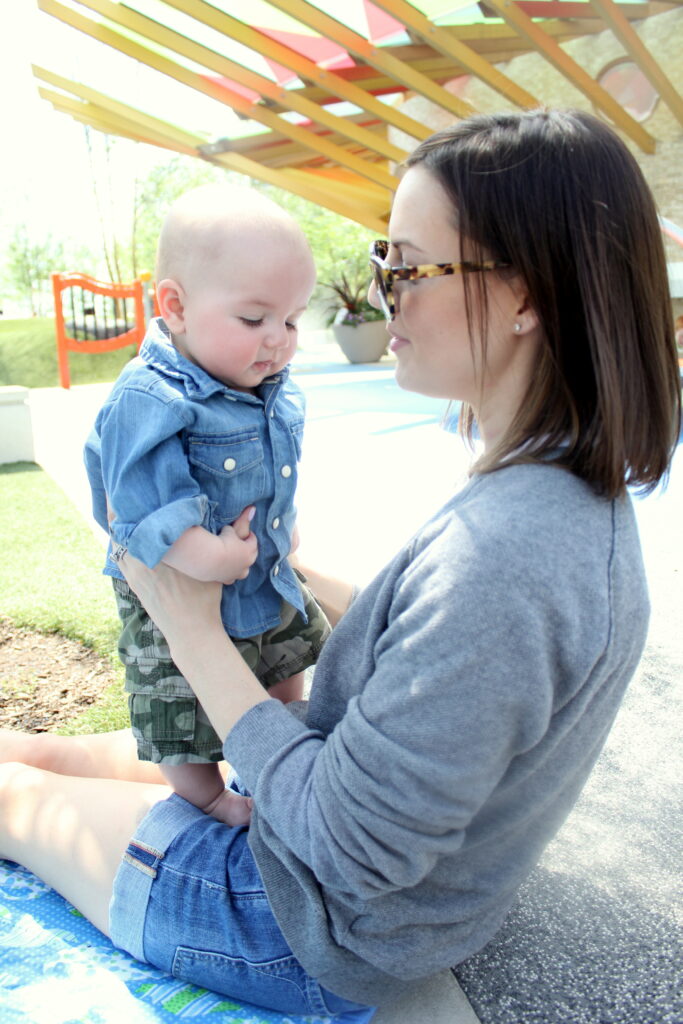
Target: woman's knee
{"points": [[19, 786]]}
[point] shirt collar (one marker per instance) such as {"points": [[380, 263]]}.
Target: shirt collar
{"points": [[159, 351]]}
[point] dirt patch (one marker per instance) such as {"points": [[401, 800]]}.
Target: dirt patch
{"points": [[46, 679]]}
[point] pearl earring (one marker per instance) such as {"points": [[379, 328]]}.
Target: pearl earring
{"points": [[517, 328]]}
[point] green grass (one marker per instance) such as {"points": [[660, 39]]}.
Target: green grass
{"points": [[28, 357], [51, 578]]}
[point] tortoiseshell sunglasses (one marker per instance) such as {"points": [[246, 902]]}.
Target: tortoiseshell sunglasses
{"points": [[385, 274]]}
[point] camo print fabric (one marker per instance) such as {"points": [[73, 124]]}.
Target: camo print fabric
{"points": [[168, 722]]}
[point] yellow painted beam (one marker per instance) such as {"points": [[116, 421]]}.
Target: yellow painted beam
{"points": [[633, 44], [376, 56], [369, 210], [174, 41], [111, 123], [465, 56], [291, 100], [218, 92], [302, 183], [356, 204], [568, 67], [333, 85], [188, 141]]}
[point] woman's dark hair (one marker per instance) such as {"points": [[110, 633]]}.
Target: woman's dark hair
{"points": [[558, 196]]}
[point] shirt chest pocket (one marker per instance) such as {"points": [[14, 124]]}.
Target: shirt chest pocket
{"points": [[229, 469]]}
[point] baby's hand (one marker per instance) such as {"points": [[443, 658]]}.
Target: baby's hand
{"points": [[240, 549]]}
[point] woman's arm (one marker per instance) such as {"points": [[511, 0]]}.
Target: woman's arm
{"points": [[187, 612]]}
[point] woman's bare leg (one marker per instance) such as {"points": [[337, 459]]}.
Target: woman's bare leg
{"points": [[106, 755], [71, 832]]}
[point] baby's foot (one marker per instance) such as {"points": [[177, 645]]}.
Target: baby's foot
{"points": [[231, 808]]}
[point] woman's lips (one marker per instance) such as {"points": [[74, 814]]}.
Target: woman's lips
{"points": [[396, 343]]}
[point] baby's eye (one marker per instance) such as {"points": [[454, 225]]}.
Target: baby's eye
{"points": [[291, 327], [252, 323]]}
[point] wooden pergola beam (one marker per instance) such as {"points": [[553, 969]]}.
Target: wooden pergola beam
{"points": [[110, 124], [218, 92], [498, 43], [332, 85], [572, 71], [152, 30], [303, 184], [145, 122], [465, 56], [633, 44], [376, 56], [350, 198]]}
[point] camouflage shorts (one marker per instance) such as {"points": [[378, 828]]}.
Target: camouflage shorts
{"points": [[168, 722]]}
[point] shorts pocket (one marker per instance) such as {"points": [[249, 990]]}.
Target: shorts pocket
{"points": [[280, 984]]}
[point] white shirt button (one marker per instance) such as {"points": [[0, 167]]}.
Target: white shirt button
{"points": [[286, 471], [272, 413], [276, 523], [229, 464], [276, 570]]}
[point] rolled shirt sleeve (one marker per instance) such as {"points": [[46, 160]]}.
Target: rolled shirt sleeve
{"points": [[146, 475]]}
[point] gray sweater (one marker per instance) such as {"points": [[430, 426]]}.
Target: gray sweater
{"points": [[455, 714]]}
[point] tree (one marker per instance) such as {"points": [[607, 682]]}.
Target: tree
{"points": [[29, 265]]}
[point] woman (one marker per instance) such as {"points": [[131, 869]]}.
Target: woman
{"points": [[465, 694]]}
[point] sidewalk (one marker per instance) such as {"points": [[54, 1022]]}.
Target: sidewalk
{"points": [[595, 934]]}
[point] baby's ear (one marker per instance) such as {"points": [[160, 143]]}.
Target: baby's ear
{"points": [[171, 299]]}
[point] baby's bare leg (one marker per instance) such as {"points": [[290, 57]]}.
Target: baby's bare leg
{"points": [[71, 832], [288, 689], [107, 755], [203, 786]]}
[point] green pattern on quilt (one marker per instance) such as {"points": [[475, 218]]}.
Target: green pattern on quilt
{"points": [[179, 1000]]}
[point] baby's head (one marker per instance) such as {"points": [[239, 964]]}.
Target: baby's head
{"points": [[234, 274]]}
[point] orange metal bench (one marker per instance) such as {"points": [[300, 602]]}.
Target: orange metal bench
{"points": [[103, 317]]}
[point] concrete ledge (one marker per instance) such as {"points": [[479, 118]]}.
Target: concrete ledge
{"points": [[16, 432], [437, 1000]]}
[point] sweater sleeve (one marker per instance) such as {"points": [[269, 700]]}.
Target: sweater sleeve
{"points": [[464, 679], [146, 474]]}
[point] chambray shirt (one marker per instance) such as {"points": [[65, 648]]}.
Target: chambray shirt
{"points": [[173, 448]]}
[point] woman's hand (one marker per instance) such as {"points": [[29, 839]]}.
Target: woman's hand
{"points": [[178, 604], [175, 602], [187, 612]]}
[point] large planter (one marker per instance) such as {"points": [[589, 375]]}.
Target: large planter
{"points": [[365, 343]]}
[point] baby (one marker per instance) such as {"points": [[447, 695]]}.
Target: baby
{"points": [[203, 430]]}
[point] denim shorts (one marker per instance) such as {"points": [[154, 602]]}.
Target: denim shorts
{"points": [[188, 899]]}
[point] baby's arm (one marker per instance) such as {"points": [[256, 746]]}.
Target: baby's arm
{"points": [[222, 558]]}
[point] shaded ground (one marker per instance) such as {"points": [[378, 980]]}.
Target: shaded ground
{"points": [[46, 679]]}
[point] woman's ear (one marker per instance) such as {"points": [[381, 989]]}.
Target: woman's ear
{"points": [[171, 299], [526, 318]]}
